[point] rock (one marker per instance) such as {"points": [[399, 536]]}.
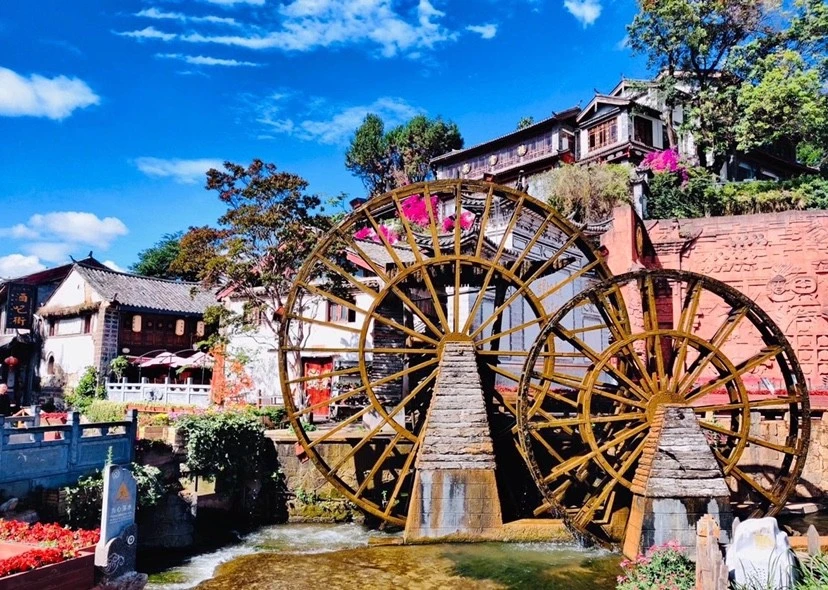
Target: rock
{"points": [[130, 581], [9, 505], [760, 555]]}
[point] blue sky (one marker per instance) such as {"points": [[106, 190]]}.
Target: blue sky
{"points": [[110, 112]]}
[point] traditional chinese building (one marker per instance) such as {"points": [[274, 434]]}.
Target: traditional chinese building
{"points": [[96, 314], [20, 342]]}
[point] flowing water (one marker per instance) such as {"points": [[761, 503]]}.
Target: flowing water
{"points": [[337, 557]]}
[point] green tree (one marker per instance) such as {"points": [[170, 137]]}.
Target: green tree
{"points": [[156, 261], [711, 54], [387, 159], [271, 223]]}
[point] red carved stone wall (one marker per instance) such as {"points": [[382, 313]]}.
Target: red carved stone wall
{"points": [[779, 260]]}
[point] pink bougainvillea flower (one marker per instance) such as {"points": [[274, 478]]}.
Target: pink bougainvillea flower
{"points": [[415, 209], [366, 233], [466, 221], [389, 233]]}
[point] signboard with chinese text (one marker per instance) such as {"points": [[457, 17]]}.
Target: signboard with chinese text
{"points": [[20, 306]]}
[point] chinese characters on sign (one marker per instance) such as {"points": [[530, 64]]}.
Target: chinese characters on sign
{"points": [[20, 306]]}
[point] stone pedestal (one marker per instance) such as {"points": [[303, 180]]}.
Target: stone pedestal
{"points": [[678, 481], [455, 492]]}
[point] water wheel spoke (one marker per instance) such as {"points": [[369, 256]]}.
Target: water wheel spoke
{"points": [[432, 220], [323, 323], [686, 319], [418, 256], [327, 375], [751, 439], [654, 342], [777, 402], [375, 315], [406, 469], [338, 270], [484, 221], [589, 267], [457, 214], [578, 461], [745, 366], [620, 332], [383, 457], [582, 421], [363, 388], [755, 485], [527, 249], [387, 280], [490, 273]]}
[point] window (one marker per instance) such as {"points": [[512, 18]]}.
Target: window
{"points": [[52, 327], [643, 129], [66, 326], [603, 134], [340, 314], [50, 365], [87, 324]]}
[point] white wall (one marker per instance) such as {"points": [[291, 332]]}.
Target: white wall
{"points": [[72, 352]]}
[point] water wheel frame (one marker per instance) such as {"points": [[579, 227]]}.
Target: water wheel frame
{"points": [[425, 255], [588, 505]]}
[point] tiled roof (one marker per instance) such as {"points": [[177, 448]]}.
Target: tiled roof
{"points": [[147, 292]]}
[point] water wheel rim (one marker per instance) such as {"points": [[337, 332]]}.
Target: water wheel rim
{"points": [[793, 454]]}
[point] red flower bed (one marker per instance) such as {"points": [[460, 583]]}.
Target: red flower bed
{"points": [[54, 544]]}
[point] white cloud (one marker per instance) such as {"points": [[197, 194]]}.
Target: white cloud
{"points": [[487, 31], [183, 171], [38, 96], [148, 33], [232, 2], [113, 265], [311, 24], [201, 60], [154, 13], [337, 126], [586, 11], [16, 265], [78, 227], [54, 252], [18, 232]]}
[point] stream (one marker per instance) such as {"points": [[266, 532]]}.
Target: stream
{"points": [[338, 557]]}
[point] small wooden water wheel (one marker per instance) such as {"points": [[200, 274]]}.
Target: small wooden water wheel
{"points": [[381, 294], [678, 337]]}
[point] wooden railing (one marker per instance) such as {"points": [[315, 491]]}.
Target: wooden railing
{"points": [[187, 393]]}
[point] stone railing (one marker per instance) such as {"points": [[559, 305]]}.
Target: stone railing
{"points": [[52, 456], [182, 394]]}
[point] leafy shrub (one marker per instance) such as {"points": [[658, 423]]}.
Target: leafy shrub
{"points": [[585, 193], [84, 500], [663, 567], [105, 411], [88, 389], [699, 195], [227, 446], [275, 414]]}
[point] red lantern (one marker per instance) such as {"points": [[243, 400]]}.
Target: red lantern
{"points": [[11, 361]]}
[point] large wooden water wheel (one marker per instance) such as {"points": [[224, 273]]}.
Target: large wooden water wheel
{"points": [[380, 295], [675, 337]]}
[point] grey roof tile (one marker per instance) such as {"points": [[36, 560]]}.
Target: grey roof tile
{"points": [[147, 292]]}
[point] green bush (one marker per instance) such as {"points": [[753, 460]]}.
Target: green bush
{"points": [[88, 389], [663, 567], [105, 411], [275, 414], [84, 500], [229, 447], [699, 195]]}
